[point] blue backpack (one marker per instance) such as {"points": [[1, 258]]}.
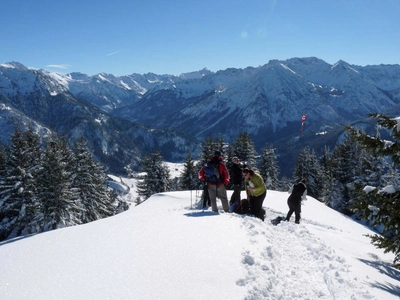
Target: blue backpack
{"points": [[241, 207], [211, 171]]}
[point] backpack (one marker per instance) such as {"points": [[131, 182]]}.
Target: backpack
{"points": [[211, 171], [241, 207]]}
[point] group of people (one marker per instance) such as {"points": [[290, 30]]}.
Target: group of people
{"points": [[256, 190]]}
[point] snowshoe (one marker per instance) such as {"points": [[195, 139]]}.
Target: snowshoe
{"points": [[277, 220]]}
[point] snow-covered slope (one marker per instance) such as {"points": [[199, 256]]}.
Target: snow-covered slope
{"points": [[15, 79], [166, 248]]}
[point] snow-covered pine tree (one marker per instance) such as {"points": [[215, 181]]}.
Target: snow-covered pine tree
{"points": [[18, 203], [327, 169], [308, 167], [59, 200], [206, 150], [244, 149], [285, 184], [90, 182], [35, 156], [346, 169], [189, 178], [372, 168], [156, 178], [208, 147], [228, 155], [382, 205], [3, 164], [334, 199], [268, 167]]}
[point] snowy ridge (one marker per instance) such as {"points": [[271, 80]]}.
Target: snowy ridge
{"points": [[166, 248]]}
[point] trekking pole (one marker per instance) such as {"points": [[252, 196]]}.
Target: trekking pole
{"points": [[191, 207]]}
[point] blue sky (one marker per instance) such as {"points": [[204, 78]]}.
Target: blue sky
{"points": [[172, 37]]}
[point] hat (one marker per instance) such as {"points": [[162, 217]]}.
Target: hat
{"points": [[235, 158], [217, 154]]}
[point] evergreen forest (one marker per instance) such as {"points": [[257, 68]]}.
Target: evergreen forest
{"points": [[46, 185]]}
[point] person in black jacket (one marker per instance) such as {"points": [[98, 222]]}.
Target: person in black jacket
{"points": [[236, 179], [298, 192]]}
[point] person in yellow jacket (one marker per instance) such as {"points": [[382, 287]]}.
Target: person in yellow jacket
{"points": [[256, 192]]}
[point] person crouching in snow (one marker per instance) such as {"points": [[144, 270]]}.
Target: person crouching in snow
{"points": [[256, 192]]}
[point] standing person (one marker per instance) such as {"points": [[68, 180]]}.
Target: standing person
{"points": [[298, 192], [256, 192], [216, 175], [236, 180]]}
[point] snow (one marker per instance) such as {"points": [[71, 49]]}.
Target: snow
{"points": [[397, 119], [4, 107], [124, 85], [367, 189], [166, 248], [58, 79], [7, 66], [390, 189]]}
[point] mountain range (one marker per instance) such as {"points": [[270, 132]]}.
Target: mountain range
{"points": [[125, 117]]}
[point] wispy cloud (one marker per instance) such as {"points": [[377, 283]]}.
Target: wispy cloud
{"points": [[62, 66], [112, 53]]}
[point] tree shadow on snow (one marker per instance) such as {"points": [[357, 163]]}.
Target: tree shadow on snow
{"points": [[16, 239], [387, 270], [388, 287]]}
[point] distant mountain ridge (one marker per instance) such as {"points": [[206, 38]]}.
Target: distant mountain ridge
{"points": [[267, 101], [42, 99]]}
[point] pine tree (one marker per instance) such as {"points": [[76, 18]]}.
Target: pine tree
{"points": [[335, 197], [18, 203], [285, 184], [350, 168], [244, 149], [327, 167], [3, 164], [4, 152], [371, 169], [382, 205], [346, 169], [229, 154], [208, 147], [308, 167], [90, 182], [189, 177], [206, 150], [59, 200], [269, 168], [156, 178]]}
